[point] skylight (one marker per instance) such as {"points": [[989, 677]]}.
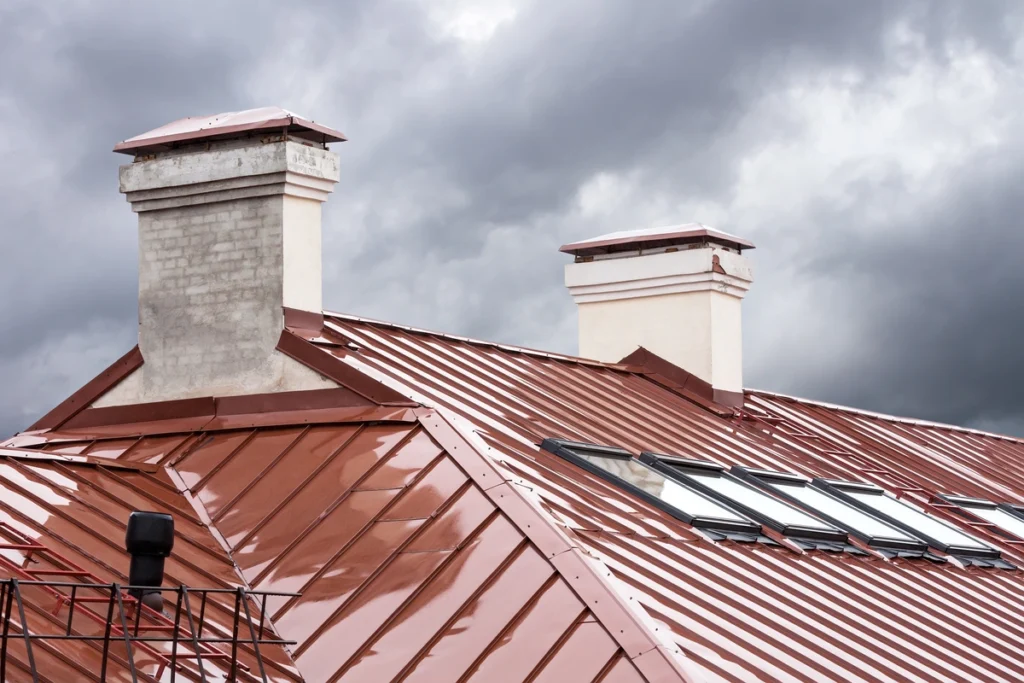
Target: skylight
{"points": [[860, 523], [937, 533], [683, 502], [1006, 517], [755, 503]]}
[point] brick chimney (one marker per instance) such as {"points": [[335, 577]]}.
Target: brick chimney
{"points": [[229, 237], [675, 291]]}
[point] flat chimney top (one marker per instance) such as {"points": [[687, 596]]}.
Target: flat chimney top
{"points": [[655, 238], [227, 125]]}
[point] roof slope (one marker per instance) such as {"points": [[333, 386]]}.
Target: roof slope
{"points": [[336, 503], [415, 560], [77, 512], [740, 612]]}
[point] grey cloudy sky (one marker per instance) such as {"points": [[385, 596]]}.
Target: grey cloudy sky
{"points": [[871, 149]]}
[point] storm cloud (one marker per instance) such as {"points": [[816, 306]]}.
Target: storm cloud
{"points": [[871, 150]]}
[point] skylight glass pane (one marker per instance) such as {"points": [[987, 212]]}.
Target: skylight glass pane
{"points": [[1002, 519], [851, 517], [771, 507], [657, 484], [929, 526]]}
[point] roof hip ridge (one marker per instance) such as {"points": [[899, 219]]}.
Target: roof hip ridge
{"points": [[577, 567]]}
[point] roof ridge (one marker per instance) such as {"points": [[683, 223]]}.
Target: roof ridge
{"points": [[883, 416], [552, 355], [576, 567]]}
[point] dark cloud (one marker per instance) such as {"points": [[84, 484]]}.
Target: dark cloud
{"points": [[467, 160]]}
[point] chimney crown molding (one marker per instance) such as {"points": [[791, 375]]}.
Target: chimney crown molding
{"points": [[692, 270], [228, 171]]}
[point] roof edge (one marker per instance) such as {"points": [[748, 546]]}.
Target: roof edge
{"points": [[92, 390], [644, 650], [550, 355]]}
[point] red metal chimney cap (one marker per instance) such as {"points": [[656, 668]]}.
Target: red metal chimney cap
{"points": [[652, 238], [227, 125]]}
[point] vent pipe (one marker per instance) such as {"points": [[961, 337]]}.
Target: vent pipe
{"points": [[149, 540]]}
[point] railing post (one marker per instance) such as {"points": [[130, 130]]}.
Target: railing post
{"points": [[252, 634], [124, 631], [24, 630]]}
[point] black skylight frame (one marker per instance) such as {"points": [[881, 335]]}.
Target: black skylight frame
{"points": [[968, 503], [838, 489], [765, 478], [564, 449], [678, 469]]}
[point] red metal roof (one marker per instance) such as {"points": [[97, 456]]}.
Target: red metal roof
{"points": [[413, 559], [443, 543], [650, 238], [76, 513], [228, 124]]}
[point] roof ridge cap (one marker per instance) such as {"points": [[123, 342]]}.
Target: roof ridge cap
{"points": [[553, 355], [576, 567], [883, 416]]}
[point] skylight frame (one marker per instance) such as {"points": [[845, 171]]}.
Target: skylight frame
{"points": [[766, 478], [680, 469], [564, 449], [839, 489], [970, 504]]}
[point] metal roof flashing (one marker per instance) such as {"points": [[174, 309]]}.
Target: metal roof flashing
{"points": [[644, 241], [226, 126]]}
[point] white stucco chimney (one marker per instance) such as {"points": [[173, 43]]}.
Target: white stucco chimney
{"points": [[229, 237], [675, 291]]}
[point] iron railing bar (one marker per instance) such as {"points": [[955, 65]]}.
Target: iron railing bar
{"points": [[233, 676], [6, 598], [24, 630], [263, 614], [192, 630], [202, 614], [252, 634], [71, 608], [106, 586], [106, 637], [129, 655], [174, 641]]}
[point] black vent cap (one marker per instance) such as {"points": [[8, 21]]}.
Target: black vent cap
{"points": [[150, 533]]}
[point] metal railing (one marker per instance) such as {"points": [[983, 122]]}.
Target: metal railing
{"points": [[140, 627]]}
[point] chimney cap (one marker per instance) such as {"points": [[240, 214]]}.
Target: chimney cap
{"points": [[653, 238], [227, 125]]}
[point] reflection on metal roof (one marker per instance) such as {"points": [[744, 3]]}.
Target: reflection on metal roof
{"points": [[66, 522], [406, 565], [442, 543], [228, 124]]}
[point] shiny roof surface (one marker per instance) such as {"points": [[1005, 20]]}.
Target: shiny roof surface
{"points": [[648, 238], [224, 125], [403, 528], [78, 513]]}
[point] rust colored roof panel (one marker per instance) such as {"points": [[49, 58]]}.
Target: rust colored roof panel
{"points": [[74, 516], [228, 124], [406, 565], [737, 612], [450, 547]]}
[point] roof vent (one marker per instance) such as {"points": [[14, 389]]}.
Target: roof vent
{"points": [[149, 540]]}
